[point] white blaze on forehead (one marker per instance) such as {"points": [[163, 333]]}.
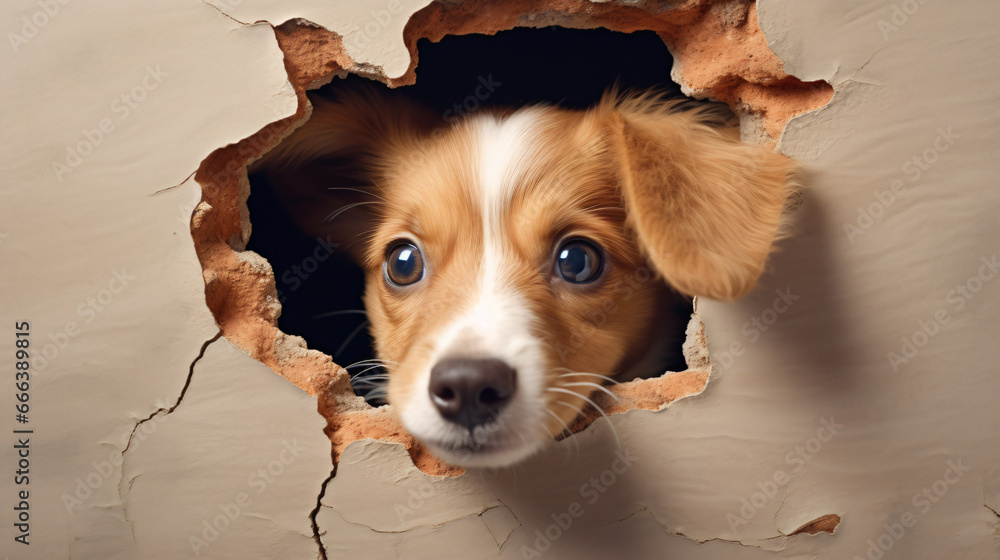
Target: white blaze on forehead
{"points": [[505, 149], [498, 323], [505, 153]]}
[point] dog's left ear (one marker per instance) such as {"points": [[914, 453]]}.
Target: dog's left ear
{"points": [[705, 206]]}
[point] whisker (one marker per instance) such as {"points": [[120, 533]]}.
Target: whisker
{"points": [[618, 440], [370, 361], [349, 338], [364, 238], [589, 384], [568, 431], [374, 384], [369, 383], [369, 379], [362, 191], [376, 366], [523, 439], [352, 243], [597, 375], [366, 392], [565, 426], [333, 215], [341, 312]]}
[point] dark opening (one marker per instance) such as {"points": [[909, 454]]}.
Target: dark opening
{"points": [[321, 291]]}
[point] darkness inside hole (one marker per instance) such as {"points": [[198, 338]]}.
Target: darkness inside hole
{"points": [[568, 67]]}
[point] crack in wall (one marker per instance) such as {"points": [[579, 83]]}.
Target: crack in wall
{"points": [[987, 505], [436, 525], [851, 78], [825, 524], [218, 9], [166, 189], [500, 506], [317, 534], [122, 493], [675, 532]]}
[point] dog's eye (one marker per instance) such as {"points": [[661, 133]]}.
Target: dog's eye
{"points": [[579, 261], [404, 264]]}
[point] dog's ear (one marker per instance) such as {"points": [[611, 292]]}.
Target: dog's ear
{"points": [[326, 173], [705, 207]]}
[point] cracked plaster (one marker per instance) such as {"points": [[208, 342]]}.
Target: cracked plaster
{"points": [[823, 359]]}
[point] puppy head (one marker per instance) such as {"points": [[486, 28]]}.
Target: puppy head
{"points": [[506, 255]]}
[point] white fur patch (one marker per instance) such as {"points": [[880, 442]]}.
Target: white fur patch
{"points": [[499, 322]]}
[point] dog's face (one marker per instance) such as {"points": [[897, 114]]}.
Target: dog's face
{"points": [[503, 246], [509, 258]]}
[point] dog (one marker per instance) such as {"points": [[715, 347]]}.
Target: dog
{"points": [[489, 243]]}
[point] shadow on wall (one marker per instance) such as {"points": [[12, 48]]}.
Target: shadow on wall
{"points": [[799, 308], [319, 287]]}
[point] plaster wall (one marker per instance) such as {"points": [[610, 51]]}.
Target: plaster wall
{"points": [[851, 401]]}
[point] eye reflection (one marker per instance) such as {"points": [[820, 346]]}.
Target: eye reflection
{"points": [[404, 265], [579, 261]]}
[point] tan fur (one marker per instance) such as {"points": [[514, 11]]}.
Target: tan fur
{"points": [[705, 206], [647, 181]]}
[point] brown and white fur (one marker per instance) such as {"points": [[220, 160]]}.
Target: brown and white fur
{"points": [[487, 200]]}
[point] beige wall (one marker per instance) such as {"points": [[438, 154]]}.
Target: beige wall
{"points": [[900, 217]]}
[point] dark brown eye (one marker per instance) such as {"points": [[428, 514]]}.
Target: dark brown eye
{"points": [[579, 261], [404, 265]]}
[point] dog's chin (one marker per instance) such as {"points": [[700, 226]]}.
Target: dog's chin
{"points": [[487, 454], [492, 445]]}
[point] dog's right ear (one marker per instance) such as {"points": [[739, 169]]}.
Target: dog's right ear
{"points": [[327, 172], [706, 207]]}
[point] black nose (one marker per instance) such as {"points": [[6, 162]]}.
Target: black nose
{"points": [[471, 391]]}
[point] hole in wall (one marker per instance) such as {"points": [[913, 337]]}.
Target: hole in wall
{"points": [[319, 286], [720, 53]]}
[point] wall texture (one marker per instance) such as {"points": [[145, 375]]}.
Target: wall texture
{"points": [[850, 408]]}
